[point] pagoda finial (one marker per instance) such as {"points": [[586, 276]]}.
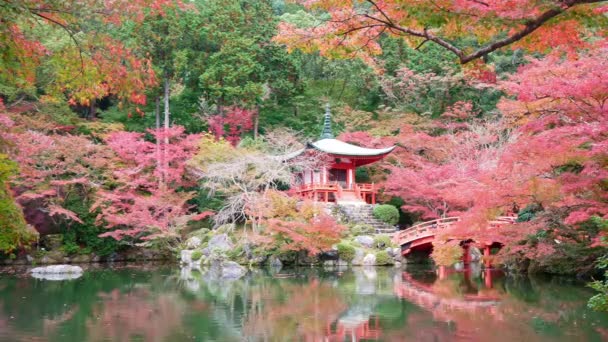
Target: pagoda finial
{"points": [[327, 132]]}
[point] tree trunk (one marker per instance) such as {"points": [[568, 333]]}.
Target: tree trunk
{"points": [[166, 100], [157, 126], [92, 111], [256, 122], [167, 118]]}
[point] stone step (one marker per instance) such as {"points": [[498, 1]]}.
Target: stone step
{"points": [[363, 214]]}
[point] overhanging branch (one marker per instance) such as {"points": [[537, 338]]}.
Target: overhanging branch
{"points": [[529, 27]]}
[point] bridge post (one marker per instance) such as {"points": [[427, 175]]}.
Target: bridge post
{"points": [[487, 277], [442, 273], [486, 257], [466, 256]]}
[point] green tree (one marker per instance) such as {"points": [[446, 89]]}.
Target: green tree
{"points": [[14, 232]]}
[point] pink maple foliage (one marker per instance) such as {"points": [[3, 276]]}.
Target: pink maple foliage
{"points": [[145, 204], [232, 124]]}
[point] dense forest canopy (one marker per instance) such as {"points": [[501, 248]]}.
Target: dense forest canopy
{"points": [[120, 116]]}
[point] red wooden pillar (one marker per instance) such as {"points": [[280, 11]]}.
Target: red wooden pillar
{"points": [[487, 275], [442, 272], [326, 196], [466, 256], [373, 197], [486, 257]]}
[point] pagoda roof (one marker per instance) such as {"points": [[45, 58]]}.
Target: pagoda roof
{"points": [[328, 144], [337, 147]]}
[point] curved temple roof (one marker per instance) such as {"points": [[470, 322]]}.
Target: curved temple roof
{"points": [[334, 146], [329, 144]]}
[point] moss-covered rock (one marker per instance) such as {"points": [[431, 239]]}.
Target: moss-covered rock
{"points": [[382, 259], [346, 251]]}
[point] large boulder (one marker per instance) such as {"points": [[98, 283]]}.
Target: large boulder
{"points": [[369, 260], [220, 242], [390, 252], [187, 259], [275, 262], [82, 259], [53, 257], [232, 270], [475, 254], [194, 242], [365, 241], [57, 269], [57, 272]]}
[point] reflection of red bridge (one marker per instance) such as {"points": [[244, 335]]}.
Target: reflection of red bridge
{"points": [[425, 296], [421, 236]]}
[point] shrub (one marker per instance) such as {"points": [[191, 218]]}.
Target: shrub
{"points": [[361, 229], [196, 255], [387, 213], [529, 212], [446, 254], [382, 258], [14, 232], [85, 234], [382, 241], [70, 248], [346, 251]]}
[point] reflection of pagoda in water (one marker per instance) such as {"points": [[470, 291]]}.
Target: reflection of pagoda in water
{"points": [[355, 328]]}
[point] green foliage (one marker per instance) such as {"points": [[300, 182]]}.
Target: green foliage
{"points": [[571, 167], [382, 241], [382, 258], [346, 251], [70, 247], [361, 229], [446, 254], [387, 213], [599, 302], [196, 255], [14, 232], [82, 237], [529, 212]]}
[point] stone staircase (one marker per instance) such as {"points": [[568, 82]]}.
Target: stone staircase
{"points": [[362, 213]]}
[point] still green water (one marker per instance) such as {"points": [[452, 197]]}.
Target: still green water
{"points": [[148, 303]]}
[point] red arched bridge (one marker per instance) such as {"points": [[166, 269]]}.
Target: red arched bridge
{"points": [[421, 236]]}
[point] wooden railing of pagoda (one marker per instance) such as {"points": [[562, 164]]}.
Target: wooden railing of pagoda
{"points": [[310, 189], [430, 228], [367, 187]]}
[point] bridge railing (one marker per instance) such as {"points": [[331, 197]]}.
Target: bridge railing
{"points": [[429, 228], [423, 229]]}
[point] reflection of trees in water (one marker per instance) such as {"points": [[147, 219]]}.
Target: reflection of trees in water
{"points": [[303, 304], [135, 314], [269, 308], [60, 310], [296, 309], [520, 308]]}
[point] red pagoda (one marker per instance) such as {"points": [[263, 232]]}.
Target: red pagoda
{"points": [[336, 181]]}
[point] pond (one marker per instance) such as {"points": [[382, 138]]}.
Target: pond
{"points": [[164, 303]]}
